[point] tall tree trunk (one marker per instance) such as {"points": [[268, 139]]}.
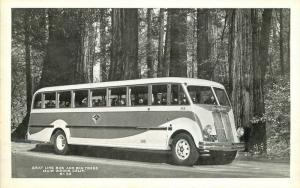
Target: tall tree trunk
{"points": [[231, 15], [203, 48], [63, 46], [260, 60], [242, 80], [103, 54], [149, 60], [27, 18], [178, 50], [282, 68], [288, 40], [124, 47], [160, 42], [166, 61], [194, 46]]}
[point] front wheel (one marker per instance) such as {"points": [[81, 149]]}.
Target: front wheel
{"points": [[184, 151], [61, 146]]}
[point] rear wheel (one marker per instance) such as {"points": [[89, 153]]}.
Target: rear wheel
{"points": [[184, 151], [61, 146]]}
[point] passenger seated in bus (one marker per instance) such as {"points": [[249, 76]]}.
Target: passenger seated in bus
{"points": [[121, 102], [113, 102], [175, 101], [164, 101], [50, 104], [141, 101], [210, 100], [84, 102]]}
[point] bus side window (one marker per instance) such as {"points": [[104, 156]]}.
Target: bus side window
{"points": [[177, 95], [118, 96], [50, 100], [37, 101], [182, 97], [98, 97], [138, 95], [159, 94], [174, 94], [64, 99], [81, 98]]}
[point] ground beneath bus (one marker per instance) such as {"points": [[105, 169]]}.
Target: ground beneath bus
{"points": [[37, 161]]}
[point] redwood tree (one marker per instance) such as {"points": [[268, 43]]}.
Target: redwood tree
{"points": [[178, 50], [203, 48], [124, 46], [160, 43], [242, 80], [260, 60]]}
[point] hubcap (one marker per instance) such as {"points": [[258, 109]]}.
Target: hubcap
{"points": [[182, 149], [60, 142]]}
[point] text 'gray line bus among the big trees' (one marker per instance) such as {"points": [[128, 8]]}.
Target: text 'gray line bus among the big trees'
{"points": [[190, 117]]}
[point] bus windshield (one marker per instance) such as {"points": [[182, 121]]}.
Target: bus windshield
{"points": [[222, 97], [202, 95]]}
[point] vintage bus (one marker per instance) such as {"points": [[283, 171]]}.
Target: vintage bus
{"points": [[188, 117]]}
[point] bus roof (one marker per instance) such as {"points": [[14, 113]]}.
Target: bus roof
{"points": [[188, 81]]}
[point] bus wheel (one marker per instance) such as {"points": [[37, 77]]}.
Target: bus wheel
{"points": [[184, 151], [61, 146]]}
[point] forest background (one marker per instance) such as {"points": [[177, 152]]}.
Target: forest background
{"points": [[247, 50]]}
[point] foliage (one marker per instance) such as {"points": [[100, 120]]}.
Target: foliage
{"points": [[277, 103]]}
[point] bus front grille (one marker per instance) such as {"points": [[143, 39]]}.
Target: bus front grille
{"points": [[223, 127]]}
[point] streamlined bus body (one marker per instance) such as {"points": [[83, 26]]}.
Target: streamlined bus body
{"points": [[184, 115]]}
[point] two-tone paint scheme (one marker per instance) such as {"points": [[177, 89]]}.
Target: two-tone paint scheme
{"points": [[141, 127]]}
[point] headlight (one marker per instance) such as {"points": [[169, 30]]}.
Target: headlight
{"points": [[208, 129], [240, 131]]}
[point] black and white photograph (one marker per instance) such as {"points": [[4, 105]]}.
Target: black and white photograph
{"points": [[155, 92]]}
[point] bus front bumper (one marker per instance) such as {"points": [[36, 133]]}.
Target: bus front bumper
{"points": [[221, 146]]}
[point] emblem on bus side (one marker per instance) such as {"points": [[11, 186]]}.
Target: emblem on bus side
{"points": [[95, 118]]}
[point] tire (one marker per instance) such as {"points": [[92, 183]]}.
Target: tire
{"points": [[60, 142], [184, 151]]}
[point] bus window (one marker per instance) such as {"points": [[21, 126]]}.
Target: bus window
{"points": [[81, 98], [117, 96], [98, 97], [159, 94], [37, 101], [50, 101], [177, 95], [138, 95], [64, 99], [202, 95], [222, 97]]}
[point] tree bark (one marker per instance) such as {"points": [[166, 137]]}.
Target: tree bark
{"points": [[260, 60], [124, 47], [160, 42], [62, 55], [103, 53], [150, 67], [203, 47], [178, 50], [27, 18], [242, 80], [166, 62], [282, 68], [288, 40], [231, 15]]}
